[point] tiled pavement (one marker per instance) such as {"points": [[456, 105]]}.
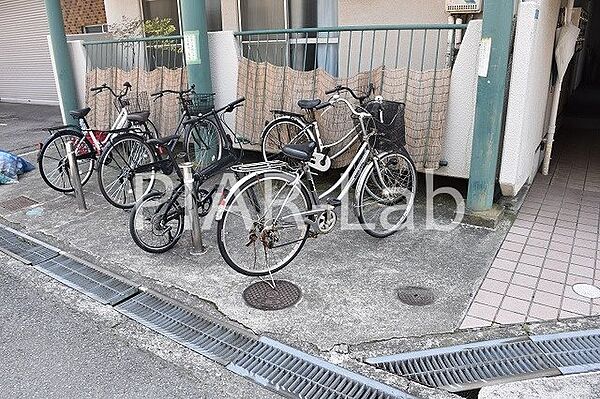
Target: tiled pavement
{"points": [[552, 245]]}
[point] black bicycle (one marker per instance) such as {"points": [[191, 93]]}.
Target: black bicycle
{"points": [[129, 153], [157, 220]]}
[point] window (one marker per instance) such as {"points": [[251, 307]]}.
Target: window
{"points": [[170, 9], [99, 28], [300, 51]]}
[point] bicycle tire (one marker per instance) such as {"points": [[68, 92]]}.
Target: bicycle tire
{"points": [[126, 172], [364, 193], [270, 154], [44, 157], [133, 224], [205, 141], [223, 246]]}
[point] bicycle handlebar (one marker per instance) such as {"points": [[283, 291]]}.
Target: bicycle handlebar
{"points": [[161, 93], [362, 98], [122, 93]]}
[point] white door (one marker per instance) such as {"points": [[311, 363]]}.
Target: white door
{"points": [[25, 67]]}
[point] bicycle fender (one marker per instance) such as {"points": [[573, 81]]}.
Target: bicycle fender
{"points": [[235, 188]]}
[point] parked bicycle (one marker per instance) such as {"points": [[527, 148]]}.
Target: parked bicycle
{"points": [[267, 216], [127, 153], [296, 128], [88, 143], [157, 220]]}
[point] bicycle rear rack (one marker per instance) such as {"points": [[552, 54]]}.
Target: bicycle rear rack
{"points": [[259, 166]]}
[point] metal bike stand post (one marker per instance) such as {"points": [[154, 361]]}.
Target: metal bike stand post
{"points": [[74, 176], [191, 210]]}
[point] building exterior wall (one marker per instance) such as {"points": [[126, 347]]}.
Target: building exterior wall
{"points": [[529, 93], [117, 9], [383, 12], [78, 13]]}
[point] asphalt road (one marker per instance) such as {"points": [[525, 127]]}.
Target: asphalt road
{"points": [[22, 127], [49, 348]]}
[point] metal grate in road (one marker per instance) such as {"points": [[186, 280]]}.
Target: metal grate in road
{"points": [[267, 362], [299, 375], [207, 337], [572, 352], [88, 280], [470, 366], [22, 248], [17, 203]]}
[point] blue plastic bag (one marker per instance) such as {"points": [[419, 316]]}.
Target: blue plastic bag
{"points": [[11, 166]]}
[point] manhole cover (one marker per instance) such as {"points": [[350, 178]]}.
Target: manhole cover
{"points": [[20, 202], [587, 290], [263, 296], [416, 296]]}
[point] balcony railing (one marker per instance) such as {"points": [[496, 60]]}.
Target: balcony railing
{"points": [[407, 63]]}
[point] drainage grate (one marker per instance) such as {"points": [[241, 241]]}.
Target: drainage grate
{"points": [[298, 374], [415, 296], [470, 366], [20, 202], [94, 283], [572, 352], [261, 295], [213, 340], [271, 364], [25, 250]]}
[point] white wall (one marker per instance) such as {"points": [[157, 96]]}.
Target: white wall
{"points": [[528, 95], [384, 12], [116, 9], [458, 137]]}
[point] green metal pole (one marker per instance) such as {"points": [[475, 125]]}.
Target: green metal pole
{"points": [[62, 58], [489, 112], [195, 42]]}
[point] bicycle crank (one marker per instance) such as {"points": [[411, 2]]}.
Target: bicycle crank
{"points": [[326, 221]]}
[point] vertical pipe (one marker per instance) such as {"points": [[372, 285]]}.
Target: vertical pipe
{"points": [[75, 177], [490, 107], [63, 69], [191, 210], [193, 19]]}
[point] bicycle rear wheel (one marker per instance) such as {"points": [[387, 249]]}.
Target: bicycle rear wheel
{"points": [[203, 144], [155, 226], [385, 194], [120, 182], [279, 133], [261, 229], [54, 165]]}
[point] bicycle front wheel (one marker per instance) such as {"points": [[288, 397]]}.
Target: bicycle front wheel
{"points": [[203, 144], [385, 194], [154, 225], [262, 227], [119, 177]]}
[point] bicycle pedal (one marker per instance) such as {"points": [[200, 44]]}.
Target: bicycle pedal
{"points": [[335, 202], [181, 155]]}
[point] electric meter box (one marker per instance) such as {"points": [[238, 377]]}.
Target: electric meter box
{"points": [[463, 6]]}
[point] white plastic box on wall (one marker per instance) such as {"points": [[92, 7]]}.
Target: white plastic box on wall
{"points": [[463, 6]]}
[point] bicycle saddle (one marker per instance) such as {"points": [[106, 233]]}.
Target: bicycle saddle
{"points": [[80, 113], [308, 104], [302, 152], [163, 140], [139, 117]]}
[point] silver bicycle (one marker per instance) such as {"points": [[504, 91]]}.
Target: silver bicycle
{"points": [[267, 216]]}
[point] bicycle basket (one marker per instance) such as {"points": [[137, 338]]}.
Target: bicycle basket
{"points": [[198, 103], [135, 103], [389, 120]]}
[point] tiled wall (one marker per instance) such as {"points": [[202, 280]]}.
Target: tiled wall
{"points": [[79, 13]]}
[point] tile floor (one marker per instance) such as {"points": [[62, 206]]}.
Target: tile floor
{"points": [[553, 244]]}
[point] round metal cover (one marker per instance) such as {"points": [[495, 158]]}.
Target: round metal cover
{"points": [[415, 296], [261, 295], [587, 290]]}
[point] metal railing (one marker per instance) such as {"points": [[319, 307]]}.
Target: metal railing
{"points": [[146, 53], [408, 63]]}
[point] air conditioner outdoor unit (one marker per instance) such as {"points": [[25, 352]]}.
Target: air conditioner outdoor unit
{"points": [[463, 6]]}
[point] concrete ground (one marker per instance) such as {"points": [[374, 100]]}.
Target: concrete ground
{"points": [[349, 279], [22, 127], [55, 343], [580, 386]]}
